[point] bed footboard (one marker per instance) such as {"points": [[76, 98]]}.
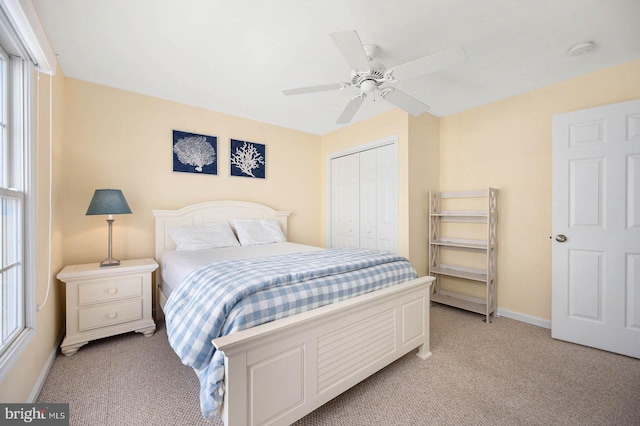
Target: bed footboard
{"points": [[278, 372]]}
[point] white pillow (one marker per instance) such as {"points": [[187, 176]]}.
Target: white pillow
{"points": [[201, 237], [258, 231]]}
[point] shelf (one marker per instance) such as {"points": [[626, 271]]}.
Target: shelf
{"points": [[475, 216], [460, 273], [479, 308], [462, 213], [460, 243], [485, 247], [467, 194]]}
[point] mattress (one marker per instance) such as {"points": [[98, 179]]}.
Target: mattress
{"points": [[178, 264]]}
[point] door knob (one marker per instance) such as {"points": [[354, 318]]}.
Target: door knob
{"points": [[561, 238]]}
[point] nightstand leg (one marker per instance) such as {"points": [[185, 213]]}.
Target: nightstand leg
{"points": [[69, 350], [147, 331]]}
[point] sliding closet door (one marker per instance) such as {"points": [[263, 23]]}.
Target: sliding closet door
{"points": [[345, 201]]}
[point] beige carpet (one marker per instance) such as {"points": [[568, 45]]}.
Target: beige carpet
{"points": [[504, 373]]}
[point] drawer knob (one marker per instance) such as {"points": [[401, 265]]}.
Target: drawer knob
{"points": [[112, 314], [112, 290]]}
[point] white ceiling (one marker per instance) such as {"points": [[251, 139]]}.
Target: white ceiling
{"points": [[236, 56]]}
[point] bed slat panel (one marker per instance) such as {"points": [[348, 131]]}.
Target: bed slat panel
{"points": [[348, 352]]}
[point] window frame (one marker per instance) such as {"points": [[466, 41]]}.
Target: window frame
{"points": [[20, 164]]}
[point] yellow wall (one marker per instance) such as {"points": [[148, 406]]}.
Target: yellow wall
{"points": [[18, 385], [424, 176], [119, 139], [507, 145]]}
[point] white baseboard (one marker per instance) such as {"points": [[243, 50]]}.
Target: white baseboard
{"points": [[529, 319], [45, 371]]}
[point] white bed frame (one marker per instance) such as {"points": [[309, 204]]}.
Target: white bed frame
{"points": [[278, 372]]}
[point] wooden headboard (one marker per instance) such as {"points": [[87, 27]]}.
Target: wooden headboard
{"points": [[207, 212], [201, 213]]}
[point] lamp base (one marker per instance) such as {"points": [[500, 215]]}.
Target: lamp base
{"points": [[110, 261]]}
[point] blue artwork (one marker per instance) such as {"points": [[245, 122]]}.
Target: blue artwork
{"points": [[193, 153], [248, 159]]}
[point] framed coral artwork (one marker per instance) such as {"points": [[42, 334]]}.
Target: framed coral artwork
{"points": [[194, 153], [247, 159]]}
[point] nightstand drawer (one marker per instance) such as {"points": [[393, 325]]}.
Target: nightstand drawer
{"points": [[110, 289], [104, 315]]}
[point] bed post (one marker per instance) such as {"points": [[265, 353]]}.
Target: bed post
{"points": [[234, 410], [424, 350]]}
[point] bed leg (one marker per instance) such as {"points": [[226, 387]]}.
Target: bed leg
{"points": [[423, 352]]}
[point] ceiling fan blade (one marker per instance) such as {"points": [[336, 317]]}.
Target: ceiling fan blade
{"points": [[351, 109], [351, 47], [311, 89], [404, 101], [428, 64]]}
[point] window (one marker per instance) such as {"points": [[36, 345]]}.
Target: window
{"points": [[23, 49], [17, 218]]}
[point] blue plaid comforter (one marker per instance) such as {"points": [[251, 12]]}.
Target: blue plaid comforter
{"points": [[233, 295]]}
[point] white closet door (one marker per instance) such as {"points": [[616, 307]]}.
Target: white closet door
{"points": [[364, 199], [368, 198], [345, 200], [387, 198]]}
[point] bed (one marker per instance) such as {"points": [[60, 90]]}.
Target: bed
{"points": [[310, 357]]}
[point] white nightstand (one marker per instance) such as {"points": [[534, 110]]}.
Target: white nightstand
{"points": [[104, 301]]}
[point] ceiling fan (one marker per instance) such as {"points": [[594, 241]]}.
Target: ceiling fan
{"points": [[369, 75]]}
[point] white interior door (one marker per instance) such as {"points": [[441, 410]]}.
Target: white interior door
{"points": [[596, 226]]}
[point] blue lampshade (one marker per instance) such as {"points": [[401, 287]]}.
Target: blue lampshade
{"points": [[108, 201]]}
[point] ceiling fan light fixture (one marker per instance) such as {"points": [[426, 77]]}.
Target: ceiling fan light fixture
{"points": [[368, 86]]}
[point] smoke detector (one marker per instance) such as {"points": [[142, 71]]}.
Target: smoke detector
{"points": [[581, 48]]}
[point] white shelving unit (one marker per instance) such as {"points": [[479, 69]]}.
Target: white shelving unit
{"points": [[487, 247]]}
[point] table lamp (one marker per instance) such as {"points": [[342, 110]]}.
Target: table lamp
{"points": [[109, 202]]}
